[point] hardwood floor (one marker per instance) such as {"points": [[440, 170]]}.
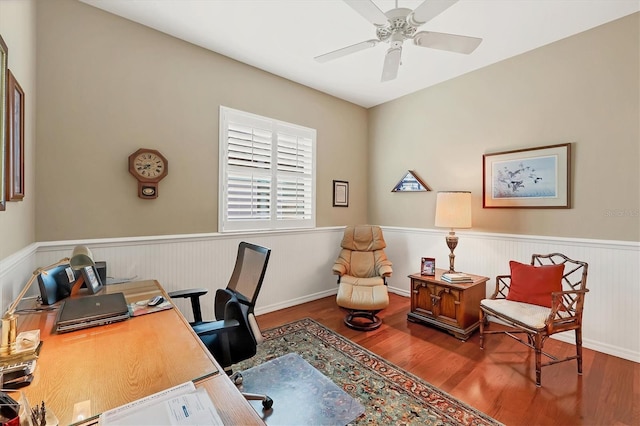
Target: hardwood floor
{"points": [[499, 380]]}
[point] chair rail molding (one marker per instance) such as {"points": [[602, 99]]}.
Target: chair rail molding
{"points": [[301, 260]]}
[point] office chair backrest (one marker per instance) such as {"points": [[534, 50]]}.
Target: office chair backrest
{"points": [[248, 273], [236, 302]]}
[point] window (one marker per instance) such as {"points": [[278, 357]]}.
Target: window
{"points": [[267, 173]]}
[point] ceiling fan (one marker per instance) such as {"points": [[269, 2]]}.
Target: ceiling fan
{"points": [[400, 24]]}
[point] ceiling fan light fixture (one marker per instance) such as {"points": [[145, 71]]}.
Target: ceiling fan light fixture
{"points": [[391, 64]]}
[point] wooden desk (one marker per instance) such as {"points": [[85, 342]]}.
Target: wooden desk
{"points": [[108, 366]]}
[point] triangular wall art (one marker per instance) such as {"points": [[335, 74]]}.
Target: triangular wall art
{"points": [[411, 182]]}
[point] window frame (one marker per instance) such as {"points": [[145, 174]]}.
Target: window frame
{"points": [[278, 128]]}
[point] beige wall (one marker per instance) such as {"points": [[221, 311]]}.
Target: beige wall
{"points": [[108, 86], [584, 90], [18, 29]]}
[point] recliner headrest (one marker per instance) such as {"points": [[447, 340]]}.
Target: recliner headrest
{"points": [[363, 238]]}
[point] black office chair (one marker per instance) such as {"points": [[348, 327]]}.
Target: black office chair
{"points": [[235, 334]]}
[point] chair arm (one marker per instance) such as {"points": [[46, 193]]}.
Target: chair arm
{"points": [[566, 310], [222, 329], [193, 294], [188, 293], [385, 271], [502, 287], [215, 327], [339, 269]]}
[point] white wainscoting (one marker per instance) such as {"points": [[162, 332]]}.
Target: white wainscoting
{"points": [[15, 271], [611, 312], [300, 269]]}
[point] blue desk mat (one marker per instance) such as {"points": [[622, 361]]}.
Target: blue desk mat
{"points": [[301, 394]]}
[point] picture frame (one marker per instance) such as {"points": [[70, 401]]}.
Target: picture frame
{"points": [[428, 266], [15, 139], [536, 177], [340, 193], [4, 54], [411, 182], [91, 279]]}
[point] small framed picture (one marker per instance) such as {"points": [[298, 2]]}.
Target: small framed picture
{"points": [[15, 140], [428, 266], [340, 193], [91, 279]]}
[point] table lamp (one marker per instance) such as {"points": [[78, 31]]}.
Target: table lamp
{"points": [[80, 258], [453, 210]]}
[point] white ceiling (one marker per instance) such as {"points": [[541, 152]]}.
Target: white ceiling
{"points": [[283, 36]]}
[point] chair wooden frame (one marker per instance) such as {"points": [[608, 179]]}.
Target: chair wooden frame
{"points": [[564, 315]]}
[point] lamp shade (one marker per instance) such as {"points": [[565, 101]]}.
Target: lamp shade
{"points": [[453, 209], [81, 257]]}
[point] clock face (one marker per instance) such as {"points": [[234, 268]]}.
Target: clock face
{"points": [[149, 165]]}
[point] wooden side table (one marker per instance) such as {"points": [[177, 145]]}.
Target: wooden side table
{"points": [[452, 307]]}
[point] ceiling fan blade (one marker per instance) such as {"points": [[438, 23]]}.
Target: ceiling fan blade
{"points": [[369, 11], [444, 41], [346, 50], [391, 64], [428, 10]]}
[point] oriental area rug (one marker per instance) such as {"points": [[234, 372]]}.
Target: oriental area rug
{"points": [[389, 394]]}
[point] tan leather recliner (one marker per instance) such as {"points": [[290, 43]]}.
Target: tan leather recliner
{"points": [[362, 268]]}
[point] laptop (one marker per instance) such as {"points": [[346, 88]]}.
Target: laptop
{"points": [[91, 311]]}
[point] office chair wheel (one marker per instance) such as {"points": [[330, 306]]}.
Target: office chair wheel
{"points": [[267, 403], [236, 378]]}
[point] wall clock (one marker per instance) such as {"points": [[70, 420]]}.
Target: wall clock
{"points": [[149, 167]]}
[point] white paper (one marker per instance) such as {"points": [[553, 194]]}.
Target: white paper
{"points": [[180, 405], [193, 409]]}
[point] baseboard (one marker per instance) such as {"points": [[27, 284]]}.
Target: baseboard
{"points": [[294, 302], [399, 291]]}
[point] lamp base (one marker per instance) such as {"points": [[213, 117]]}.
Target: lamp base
{"points": [[452, 243], [9, 333]]}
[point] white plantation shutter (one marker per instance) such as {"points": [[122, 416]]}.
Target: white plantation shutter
{"points": [[267, 173], [294, 175]]}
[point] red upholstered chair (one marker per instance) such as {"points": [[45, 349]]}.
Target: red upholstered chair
{"points": [[539, 300], [362, 268]]}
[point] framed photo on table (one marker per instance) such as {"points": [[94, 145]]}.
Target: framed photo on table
{"points": [[528, 178], [92, 279], [428, 266], [15, 139]]}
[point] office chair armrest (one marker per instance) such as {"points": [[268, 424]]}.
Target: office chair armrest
{"points": [[215, 327], [222, 329], [193, 294], [188, 292]]}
